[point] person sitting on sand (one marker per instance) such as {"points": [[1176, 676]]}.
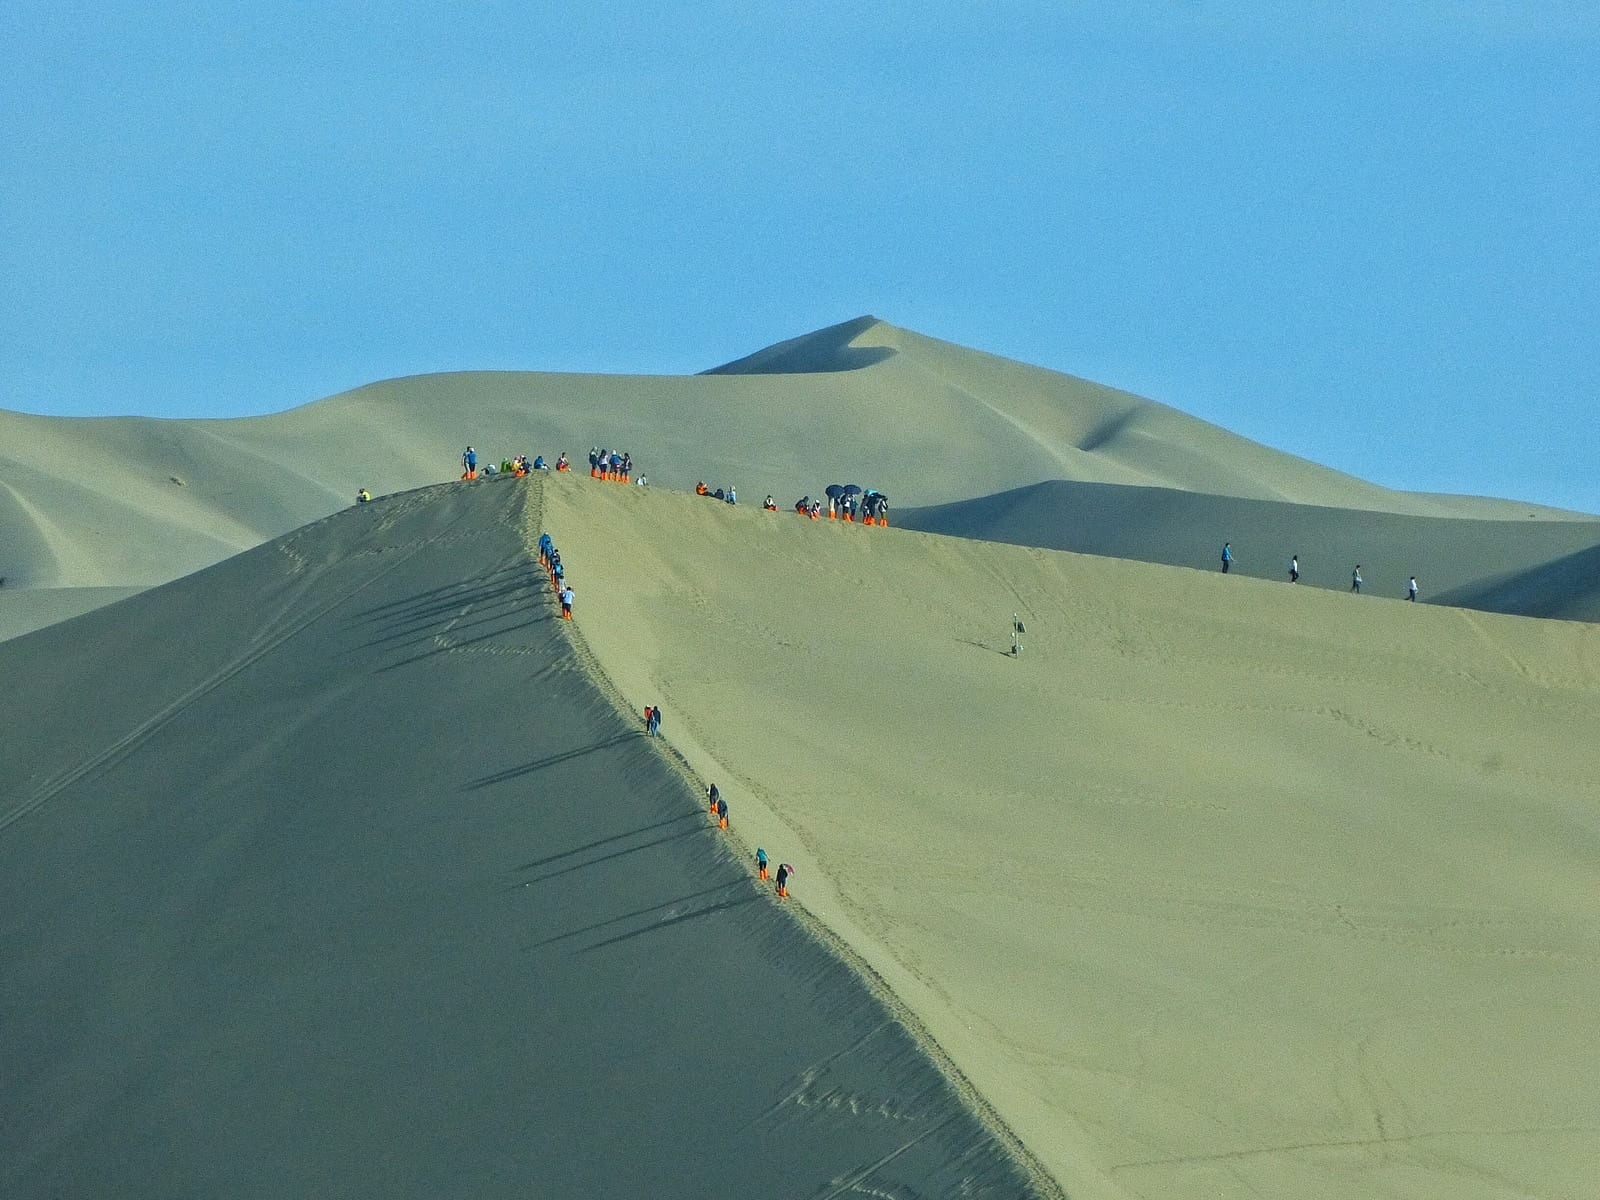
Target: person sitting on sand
{"points": [[561, 462], [700, 489], [769, 505], [363, 496], [816, 510], [539, 463], [803, 505]]}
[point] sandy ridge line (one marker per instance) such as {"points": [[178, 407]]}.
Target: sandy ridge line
{"points": [[261, 646], [1045, 1184]]}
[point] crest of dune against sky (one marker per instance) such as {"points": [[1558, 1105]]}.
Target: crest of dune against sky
{"points": [[1360, 232]]}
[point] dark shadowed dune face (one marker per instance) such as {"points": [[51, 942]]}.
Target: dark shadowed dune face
{"points": [[1527, 568], [328, 871]]}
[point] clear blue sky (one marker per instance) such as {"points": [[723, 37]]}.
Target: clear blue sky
{"points": [[1367, 233]]}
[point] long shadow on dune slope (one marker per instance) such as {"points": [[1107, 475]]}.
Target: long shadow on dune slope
{"points": [[329, 871], [1454, 560]]}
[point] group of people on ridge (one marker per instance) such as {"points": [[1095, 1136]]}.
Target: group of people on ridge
{"points": [[1356, 579], [608, 464]]}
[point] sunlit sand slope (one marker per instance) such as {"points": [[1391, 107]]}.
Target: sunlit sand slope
{"points": [[1219, 889], [1500, 566], [331, 871]]}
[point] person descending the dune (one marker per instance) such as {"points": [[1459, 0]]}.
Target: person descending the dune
{"points": [[722, 814], [469, 463], [1411, 589], [363, 496], [566, 603], [1355, 579], [784, 871], [761, 863], [1294, 568], [653, 725], [1227, 556]]}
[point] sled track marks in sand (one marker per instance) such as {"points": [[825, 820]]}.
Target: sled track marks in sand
{"points": [[265, 642]]}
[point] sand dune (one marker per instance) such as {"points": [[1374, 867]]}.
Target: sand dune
{"points": [[132, 502], [331, 870], [1499, 566], [22, 610], [1565, 588], [1220, 889]]}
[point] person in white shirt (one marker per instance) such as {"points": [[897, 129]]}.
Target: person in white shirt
{"points": [[1411, 589], [1294, 568]]}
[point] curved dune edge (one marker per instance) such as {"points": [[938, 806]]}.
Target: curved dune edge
{"points": [[835, 933], [330, 871], [1239, 888]]}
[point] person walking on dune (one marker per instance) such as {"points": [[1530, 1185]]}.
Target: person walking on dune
{"points": [[1294, 568], [1411, 589], [653, 725], [761, 863], [469, 463], [1355, 579], [566, 603], [712, 798], [1227, 556], [722, 813], [784, 871]]}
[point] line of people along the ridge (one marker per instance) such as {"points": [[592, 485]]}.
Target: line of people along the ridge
{"points": [[550, 559], [848, 501], [1356, 578]]}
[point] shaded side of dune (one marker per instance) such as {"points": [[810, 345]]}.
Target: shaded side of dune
{"points": [[1498, 566], [328, 871], [1566, 589]]}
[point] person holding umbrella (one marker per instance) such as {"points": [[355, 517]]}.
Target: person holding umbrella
{"points": [[834, 491], [784, 871]]}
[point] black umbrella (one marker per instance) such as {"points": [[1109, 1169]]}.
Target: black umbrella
{"points": [[834, 490], [851, 489]]}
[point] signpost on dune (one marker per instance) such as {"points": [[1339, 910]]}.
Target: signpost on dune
{"points": [[1016, 635]]}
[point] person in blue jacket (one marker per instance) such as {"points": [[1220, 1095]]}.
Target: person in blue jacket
{"points": [[1227, 556]]}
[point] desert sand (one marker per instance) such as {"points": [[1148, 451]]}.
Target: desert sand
{"points": [[1219, 888], [129, 502], [341, 863], [332, 871]]}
